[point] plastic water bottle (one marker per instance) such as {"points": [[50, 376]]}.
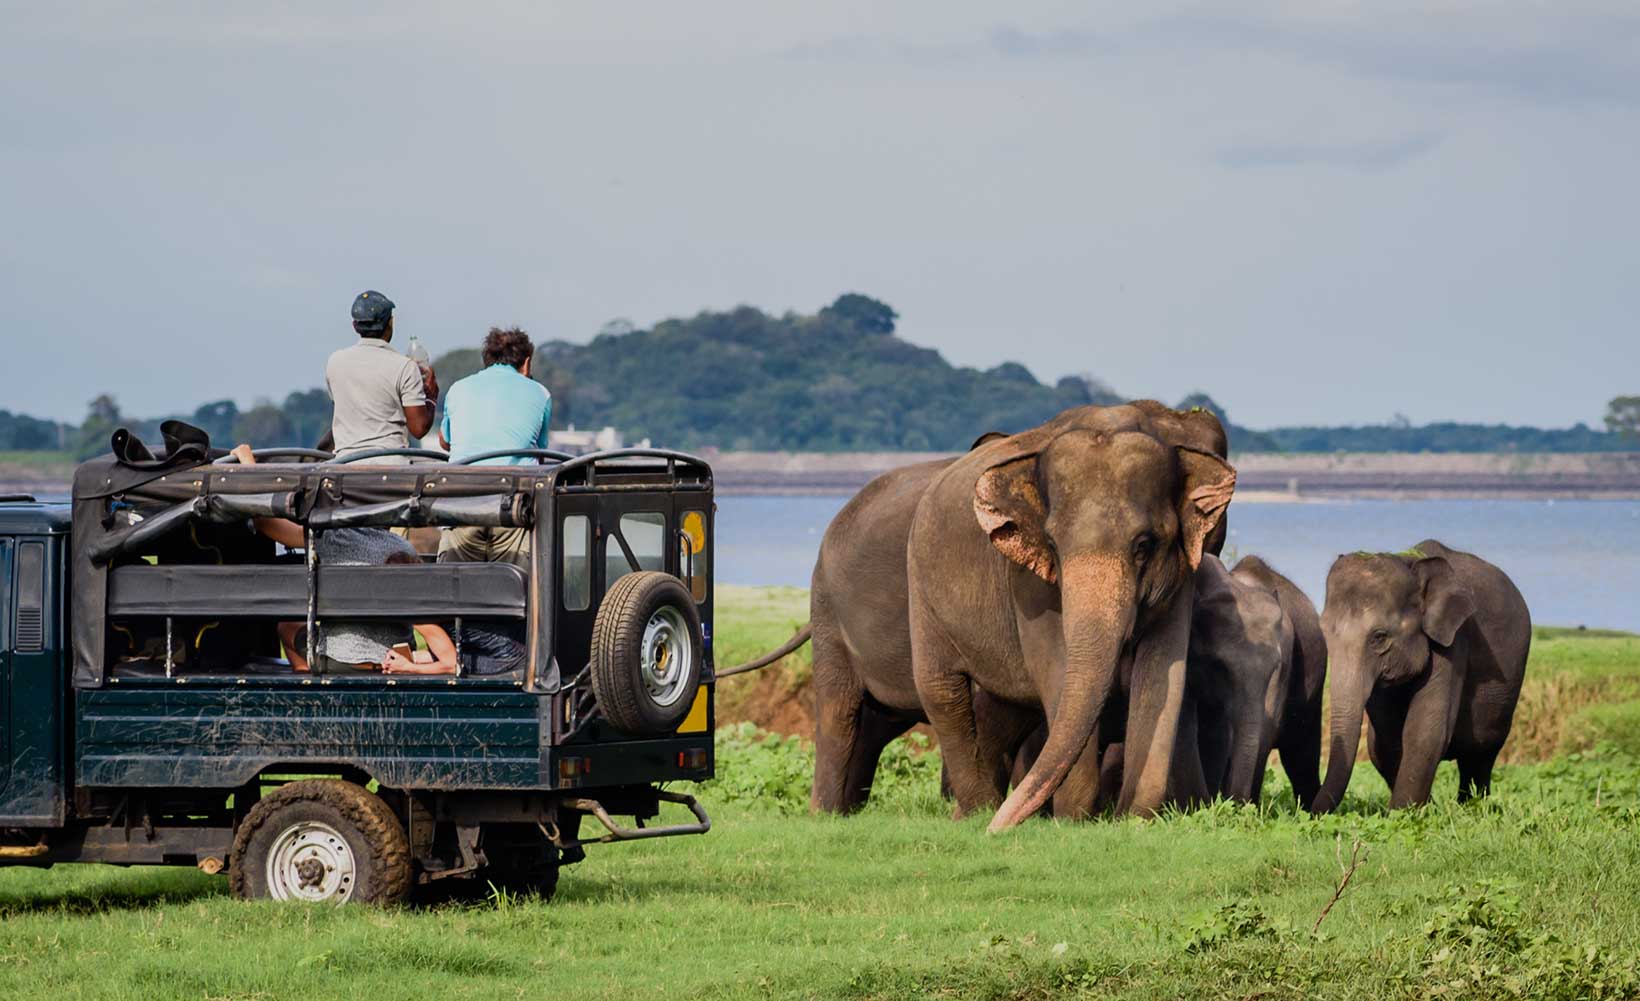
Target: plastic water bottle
{"points": [[418, 353]]}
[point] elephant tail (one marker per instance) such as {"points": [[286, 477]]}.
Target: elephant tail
{"points": [[790, 646]]}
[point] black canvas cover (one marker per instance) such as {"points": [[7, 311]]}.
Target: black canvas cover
{"points": [[196, 513]]}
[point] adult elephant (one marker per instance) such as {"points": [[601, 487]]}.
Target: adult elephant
{"points": [[865, 692], [1431, 646], [1256, 669], [1298, 729], [1040, 568]]}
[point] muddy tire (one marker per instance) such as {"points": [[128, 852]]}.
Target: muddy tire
{"points": [[646, 654], [323, 841]]}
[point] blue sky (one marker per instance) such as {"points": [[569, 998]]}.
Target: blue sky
{"points": [[1318, 212]]}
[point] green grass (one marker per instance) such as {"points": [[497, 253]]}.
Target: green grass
{"points": [[1532, 893], [37, 461]]}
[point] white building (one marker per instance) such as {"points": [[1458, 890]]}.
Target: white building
{"points": [[581, 442]]}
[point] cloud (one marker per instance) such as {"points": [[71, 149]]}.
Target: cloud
{"points": [[1366, 156], [1007, 40], [1564, 56]]}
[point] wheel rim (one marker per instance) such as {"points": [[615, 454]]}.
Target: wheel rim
{"points": [[311, 861], [668, 656]]}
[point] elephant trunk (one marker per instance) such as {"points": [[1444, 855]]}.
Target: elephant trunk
{"points": [[1248, 755], [1098, 610], [1348, 705]]}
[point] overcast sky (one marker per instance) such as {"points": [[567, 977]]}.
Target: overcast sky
{"points": [[1318, 212]]}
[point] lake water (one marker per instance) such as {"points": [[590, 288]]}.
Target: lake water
{"points": [[1577, 562]]}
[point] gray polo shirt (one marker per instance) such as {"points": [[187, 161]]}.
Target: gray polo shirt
{"points": [[371, 384]]}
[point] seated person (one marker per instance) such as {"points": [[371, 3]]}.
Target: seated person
{"points": [[350, 646], [499, 407]]}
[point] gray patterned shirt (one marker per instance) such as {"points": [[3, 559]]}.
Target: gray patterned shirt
{"points": [[361, 642]]}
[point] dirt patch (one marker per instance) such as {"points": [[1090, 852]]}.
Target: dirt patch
{"points": [[778, 699]]}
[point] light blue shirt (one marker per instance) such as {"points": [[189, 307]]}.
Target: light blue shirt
{"points": [[495, 409]]}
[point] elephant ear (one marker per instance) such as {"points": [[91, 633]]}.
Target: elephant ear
{"points": [[987, 438], [1209, 483], [1010, 508], [1447, 603]]}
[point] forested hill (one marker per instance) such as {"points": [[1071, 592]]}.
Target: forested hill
{"points": [[837, 380]]}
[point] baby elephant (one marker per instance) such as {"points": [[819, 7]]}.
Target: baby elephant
{"points": [[1257, 665], [1431, 644]]}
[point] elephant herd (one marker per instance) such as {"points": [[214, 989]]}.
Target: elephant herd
{"points": [[1053, 605]]}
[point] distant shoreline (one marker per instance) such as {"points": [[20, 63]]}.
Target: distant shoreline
{"points": [[1261, 477]]}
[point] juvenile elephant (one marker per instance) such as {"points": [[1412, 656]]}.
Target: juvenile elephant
{"points": [[1298, 731], [1431, 645], [1241, 655], [1040, 568], [865, 692]]}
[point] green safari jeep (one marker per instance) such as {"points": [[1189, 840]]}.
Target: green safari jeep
{"points": [[149, 713]]}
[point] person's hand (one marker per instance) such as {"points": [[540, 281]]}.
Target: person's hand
{"points": [[397, 663], [243, 453], [429, 383]]}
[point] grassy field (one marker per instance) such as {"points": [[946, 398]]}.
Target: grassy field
{"points": [[1533, 893]]}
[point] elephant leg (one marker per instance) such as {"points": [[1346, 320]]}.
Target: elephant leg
{"points": [[1025, 756], [947, 695], [839, 701], [1424, 736], [1187, 778], [1384, 742], [874, 731], [1475, 773], [1214, 743], [1004, 731], [1076, 797], [1300, 748], [1110, 778]]}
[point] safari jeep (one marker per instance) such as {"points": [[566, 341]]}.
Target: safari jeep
{"points": [[150, 715]]}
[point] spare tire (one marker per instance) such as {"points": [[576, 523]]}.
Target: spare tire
{"points": [[646, 653]]}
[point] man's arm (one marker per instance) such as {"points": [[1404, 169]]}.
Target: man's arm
{"points": [[542, 435], [281, 530], [418, 393]]}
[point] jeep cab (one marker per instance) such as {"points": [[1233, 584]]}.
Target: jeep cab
{"points": [[149, 713]]}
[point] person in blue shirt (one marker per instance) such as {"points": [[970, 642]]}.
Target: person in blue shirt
{"points": [[498, 407]]}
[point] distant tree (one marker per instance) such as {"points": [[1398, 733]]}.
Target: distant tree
{"points": [[22, 433], [1623, 416], [102, 417], [862, 312], [216, 419], [1201, 401], [308, 414], [264, 426]]}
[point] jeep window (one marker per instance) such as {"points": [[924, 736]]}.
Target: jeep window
{"points": [[692, 553], [577, 563], [644, 533]]}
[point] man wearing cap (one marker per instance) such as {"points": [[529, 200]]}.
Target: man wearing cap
{"points": [[382, 399]]}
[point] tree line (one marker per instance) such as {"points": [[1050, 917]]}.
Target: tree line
{"points": [[835, 380]]}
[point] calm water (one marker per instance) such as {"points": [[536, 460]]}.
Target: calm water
{"points": [[1577, 562]]}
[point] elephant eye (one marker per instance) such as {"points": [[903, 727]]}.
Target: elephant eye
{"points": [[1144, 547], [1379, 640]]}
